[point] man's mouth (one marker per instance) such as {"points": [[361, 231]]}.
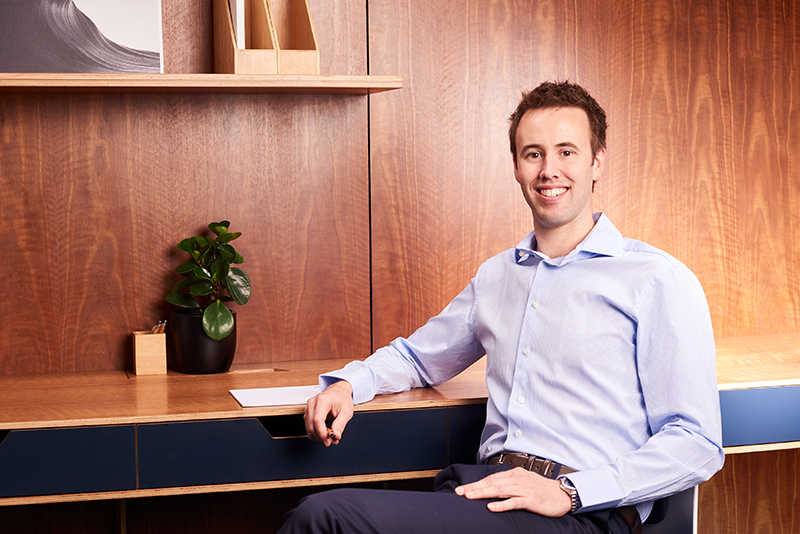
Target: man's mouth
{"points": [[554, 192]]}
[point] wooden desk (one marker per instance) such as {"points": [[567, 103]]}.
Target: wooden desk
{"points": [[758, 488], [766, 369], [759, 382], [109, 435]]}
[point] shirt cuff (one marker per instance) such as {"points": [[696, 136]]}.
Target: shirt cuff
{"points": [[358, 375], [597, 489]]}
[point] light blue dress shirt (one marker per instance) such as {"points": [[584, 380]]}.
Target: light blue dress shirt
{"points": [[602, 360]]}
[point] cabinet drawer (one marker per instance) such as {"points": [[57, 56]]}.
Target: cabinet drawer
{"points": [[243, 450], [466, 426], [760, 415], [67, 460]]}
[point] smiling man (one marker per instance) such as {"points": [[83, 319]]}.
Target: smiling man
{"points": [[600, 365]]}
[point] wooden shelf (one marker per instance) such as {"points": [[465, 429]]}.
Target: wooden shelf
{"points": [[197, 83]]}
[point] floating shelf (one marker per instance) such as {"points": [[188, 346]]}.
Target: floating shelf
{"points": [[198, 83]]}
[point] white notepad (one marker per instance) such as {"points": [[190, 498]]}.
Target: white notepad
{"points": [[251, 398]]}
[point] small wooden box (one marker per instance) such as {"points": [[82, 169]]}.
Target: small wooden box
{"points": [[261, 53], [298, 51], [279, 39], [149, 353]]}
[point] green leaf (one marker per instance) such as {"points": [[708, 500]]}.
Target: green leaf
{"points": [[201, 288], [219, 228], [201, 241], [186, 282], [217, 321], [201, 272], [182, 299], [219, 269], [228, 237], [186, 245], [207, 254], [239, 259], [238, 286], [186, 267], [227, 251]]}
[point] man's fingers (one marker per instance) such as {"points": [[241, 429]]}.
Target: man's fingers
{"points": [[336, 401], [514, 503]]}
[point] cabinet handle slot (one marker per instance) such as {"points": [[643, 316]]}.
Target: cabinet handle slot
{"points": [[284, 426]]}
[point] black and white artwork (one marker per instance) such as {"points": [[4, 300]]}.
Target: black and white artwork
{"points": [[110, 36]]}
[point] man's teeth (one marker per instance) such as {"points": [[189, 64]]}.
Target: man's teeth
{"points": [[553, 192]]}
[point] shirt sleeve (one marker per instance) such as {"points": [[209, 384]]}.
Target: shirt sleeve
{"points": [[435, 353], [676, 361]]}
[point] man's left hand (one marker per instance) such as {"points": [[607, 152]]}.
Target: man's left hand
{"points": [[522, 490]]}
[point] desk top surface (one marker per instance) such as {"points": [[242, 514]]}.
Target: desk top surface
{"points": [[118, 397]]}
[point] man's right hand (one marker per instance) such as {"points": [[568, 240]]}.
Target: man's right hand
{"points": [[337, 402]]}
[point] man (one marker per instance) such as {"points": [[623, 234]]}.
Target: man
{"points": [[600, 364]]}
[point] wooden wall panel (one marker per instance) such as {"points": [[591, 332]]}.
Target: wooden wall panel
{"points": [[97, 190], [443, 192], [755, 493], [187, 35], [703, 101], [704, 136]]}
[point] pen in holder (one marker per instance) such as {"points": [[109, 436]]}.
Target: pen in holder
{"points": [[150, 351]]}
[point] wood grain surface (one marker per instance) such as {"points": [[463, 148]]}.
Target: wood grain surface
{"points": [[97, 190], [702, 100], [755, 493]]}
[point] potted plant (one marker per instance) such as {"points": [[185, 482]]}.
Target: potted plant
{"points": [[201, 334]]}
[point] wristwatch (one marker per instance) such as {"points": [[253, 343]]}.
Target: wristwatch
{"points": [[568, 488]]}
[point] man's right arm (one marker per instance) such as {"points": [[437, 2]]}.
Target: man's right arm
{"points": [[439, 350], [337, 402]]}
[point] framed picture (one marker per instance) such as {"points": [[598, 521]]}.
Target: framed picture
{"points": [[81, 36]]}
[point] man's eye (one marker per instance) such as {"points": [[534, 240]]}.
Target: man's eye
{"points": [[567, 153]]}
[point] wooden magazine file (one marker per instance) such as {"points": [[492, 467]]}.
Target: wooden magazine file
{"points": [[279, 39]]}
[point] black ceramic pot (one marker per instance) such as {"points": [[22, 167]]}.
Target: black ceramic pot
{"points": [[191, 351]]}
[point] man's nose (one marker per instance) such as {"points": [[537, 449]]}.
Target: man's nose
{"points": [[549, 168]]}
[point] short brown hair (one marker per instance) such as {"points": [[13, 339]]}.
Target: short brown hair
{"points": [[560, 95]]}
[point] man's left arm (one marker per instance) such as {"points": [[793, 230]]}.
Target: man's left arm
{"points": [[676, 360]]}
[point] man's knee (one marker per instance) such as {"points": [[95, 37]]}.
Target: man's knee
{"points": [[321, 512]]}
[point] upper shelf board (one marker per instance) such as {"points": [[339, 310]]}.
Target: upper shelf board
{"points": [[197, 83]]}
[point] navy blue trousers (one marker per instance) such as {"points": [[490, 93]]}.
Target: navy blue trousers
{"points": [[375, 511]]}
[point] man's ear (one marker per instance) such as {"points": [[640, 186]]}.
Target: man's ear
{"points": [[599, 164]]}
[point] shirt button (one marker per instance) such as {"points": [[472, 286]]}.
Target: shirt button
{"points": [[535, 303], [526, 351], [518, 433], [521, 400]]}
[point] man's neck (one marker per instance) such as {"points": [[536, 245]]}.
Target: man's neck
{"points": [[560, 241]]}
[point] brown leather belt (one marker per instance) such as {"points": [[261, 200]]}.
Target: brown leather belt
{"points": [[550, 469], [543, 466]]}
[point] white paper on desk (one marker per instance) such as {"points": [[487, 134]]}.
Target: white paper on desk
{"points": [[250, 398]]}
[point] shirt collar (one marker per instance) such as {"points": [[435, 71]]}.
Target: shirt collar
{"points": [[603, 240]]}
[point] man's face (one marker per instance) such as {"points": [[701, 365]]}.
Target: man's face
{"points": [[555, 167]]}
